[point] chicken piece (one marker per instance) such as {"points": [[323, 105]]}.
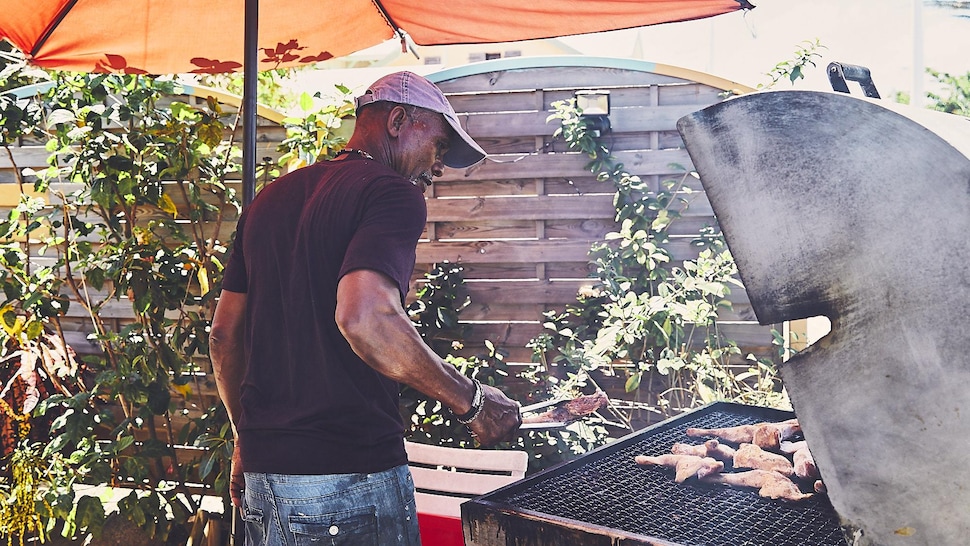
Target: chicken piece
{"points": [[710, 448], [571, 410], [685, 466], [752, 456], [819, 487], [805, 464], [792, 447], [765, 435], [770, 484]]}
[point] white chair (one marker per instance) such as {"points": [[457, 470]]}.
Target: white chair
{"points": [[445, 477]]}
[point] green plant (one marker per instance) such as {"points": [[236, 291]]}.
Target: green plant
{"points": [[117, 235], [794, 69], [435, 313], [957, 93], [647, 318], [317, 133]]}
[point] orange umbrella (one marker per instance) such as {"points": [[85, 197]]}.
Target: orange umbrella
{"points": [[183, 36]]}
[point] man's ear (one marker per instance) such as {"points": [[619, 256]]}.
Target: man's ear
{"points": [[395, 120]]}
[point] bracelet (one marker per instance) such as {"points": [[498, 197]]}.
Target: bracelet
{"points": [[478, 402]]}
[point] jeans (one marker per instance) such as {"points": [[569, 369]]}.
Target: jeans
{"points": [[352, 509]]}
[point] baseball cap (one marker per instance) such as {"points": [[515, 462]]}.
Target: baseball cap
{"points": [[410, 88]]}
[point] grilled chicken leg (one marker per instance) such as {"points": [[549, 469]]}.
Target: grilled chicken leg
{"points": [[710, 448], [770, 485], [765, 435], [685, 466], [805, 464], [752, 456]]}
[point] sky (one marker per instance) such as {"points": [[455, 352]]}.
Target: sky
{"points": [[881, 35]]}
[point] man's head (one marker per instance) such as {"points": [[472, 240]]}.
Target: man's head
{"points": [[407, 88]]}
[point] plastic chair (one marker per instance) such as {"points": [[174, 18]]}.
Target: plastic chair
{"points": [[445, 477]]}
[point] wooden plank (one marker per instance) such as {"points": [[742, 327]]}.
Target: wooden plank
{"points": [[518, 334], [656, 162], [523, 251], [522, 208], [506, 124], [578, 77], [34, 157], [620, 96]]}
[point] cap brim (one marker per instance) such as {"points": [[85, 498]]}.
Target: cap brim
{"points": [[464, 151]]}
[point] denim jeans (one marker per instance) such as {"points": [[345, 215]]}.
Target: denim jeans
{"points": [[352, 509]]}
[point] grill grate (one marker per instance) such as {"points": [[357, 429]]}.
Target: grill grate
{"points": [[608, 489]]}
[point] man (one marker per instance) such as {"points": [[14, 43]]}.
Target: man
{"points": [[310, 338]]}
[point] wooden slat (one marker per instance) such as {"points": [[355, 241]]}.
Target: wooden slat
{"points": [[506, 124], [524, 251], [553, 77], [657, 162], [522, 208]]}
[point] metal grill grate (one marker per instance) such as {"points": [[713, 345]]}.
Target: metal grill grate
{"points": [[607, 488]]}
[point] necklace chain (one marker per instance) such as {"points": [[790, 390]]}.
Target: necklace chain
{"points": [[361, 153]]}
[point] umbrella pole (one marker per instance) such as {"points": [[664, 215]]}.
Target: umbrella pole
{"points": [[250, 77], [237, 533]]}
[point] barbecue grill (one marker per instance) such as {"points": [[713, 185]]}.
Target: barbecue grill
{"points": [[604, 497]]}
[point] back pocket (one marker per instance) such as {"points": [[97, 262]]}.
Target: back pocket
{"points": [[347, 528], [255, 524]]}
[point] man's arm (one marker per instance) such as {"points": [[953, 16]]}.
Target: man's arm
{"points": [[226, 349], [370, 316]]}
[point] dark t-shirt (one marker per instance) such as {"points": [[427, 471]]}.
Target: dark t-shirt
{"points": [[310, 405]]}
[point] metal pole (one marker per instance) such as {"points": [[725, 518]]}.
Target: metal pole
{"points": [[237, 532], [919, 72], [250, 69]]}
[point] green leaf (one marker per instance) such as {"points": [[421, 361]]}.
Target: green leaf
{"points": [[123, 443], [89, 514], [306, 102], [632, 382]]}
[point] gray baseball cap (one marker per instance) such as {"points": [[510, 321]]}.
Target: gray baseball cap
{"points": [[410, 88]]}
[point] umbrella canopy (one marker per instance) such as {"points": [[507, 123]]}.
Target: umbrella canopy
{"points": [[182, 36]]}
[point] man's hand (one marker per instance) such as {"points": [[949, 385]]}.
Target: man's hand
{"points": [[237, 483], [499, 420]]}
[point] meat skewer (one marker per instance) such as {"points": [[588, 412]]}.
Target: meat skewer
{"points": [[765, 435], [685, 466], [770, 485], [710, 448], [570, 410], [752, 456]]}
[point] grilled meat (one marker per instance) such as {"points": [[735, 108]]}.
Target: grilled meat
{"points": [[571, 410], [792, 447], [765, 435], [685, 466], [770, 484], [710, 448], [805, 464], [752, 456]]}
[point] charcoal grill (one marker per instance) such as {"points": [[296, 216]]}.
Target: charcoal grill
{"points": [[604, 497]]}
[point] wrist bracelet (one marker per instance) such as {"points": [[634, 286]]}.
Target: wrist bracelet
{"points": [[478, 402]]}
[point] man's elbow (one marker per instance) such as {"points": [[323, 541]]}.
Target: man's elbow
{"points": [[351, 323]]}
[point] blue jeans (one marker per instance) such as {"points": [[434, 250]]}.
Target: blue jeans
{"points": [[353, 509]]}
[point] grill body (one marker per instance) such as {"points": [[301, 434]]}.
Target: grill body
{"points": [[605, 498]]}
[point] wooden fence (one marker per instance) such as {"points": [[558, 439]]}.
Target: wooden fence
{"points": [[522, 223]]}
